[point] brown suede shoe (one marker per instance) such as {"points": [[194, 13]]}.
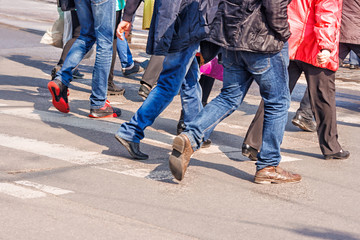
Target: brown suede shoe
{"points": [[180, 156], [273, 174]]}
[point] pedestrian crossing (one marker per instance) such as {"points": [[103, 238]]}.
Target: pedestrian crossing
{"points": [[29, 190], [97, 160]]}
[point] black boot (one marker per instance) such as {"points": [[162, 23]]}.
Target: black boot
{"points": [[113, 89]]}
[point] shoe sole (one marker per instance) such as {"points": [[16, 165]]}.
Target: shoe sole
{"points": [[60, 105], [126, 145], [122, 92], [115, 114], [301, 126], [112, 115], [270, 181], [175, 162], [337, 158]]}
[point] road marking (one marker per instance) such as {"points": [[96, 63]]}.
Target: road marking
{"points": [[56, 151], [157, 175], [24, 192], [77, 156], [44, 188], [20, 192]]}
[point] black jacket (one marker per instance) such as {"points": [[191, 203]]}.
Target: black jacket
{"points": [[251, 25], [175, 24]]}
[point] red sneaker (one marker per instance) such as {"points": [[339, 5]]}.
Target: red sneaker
{"points": [[105, 112], [59, 94]]}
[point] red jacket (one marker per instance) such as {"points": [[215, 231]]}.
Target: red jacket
{"points": [[315, 25]]}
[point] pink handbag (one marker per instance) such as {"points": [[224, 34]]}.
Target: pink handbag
{"points": [[212, 69]]}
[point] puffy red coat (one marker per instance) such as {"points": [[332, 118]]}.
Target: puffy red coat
{"points": [[315, 25]]}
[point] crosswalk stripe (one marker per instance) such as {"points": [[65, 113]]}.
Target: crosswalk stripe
{"points": [[20, 192], [56, 151], [82, 157], [44, 188]]}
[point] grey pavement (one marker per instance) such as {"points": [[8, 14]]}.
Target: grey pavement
{"points": [[64, 176]]}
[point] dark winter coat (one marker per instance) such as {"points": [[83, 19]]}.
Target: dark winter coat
{"points": [[251, 25], [175, 24], [350, 22]]}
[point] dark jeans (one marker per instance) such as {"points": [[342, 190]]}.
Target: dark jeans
{"points": [[321, 84], [240, 70]]}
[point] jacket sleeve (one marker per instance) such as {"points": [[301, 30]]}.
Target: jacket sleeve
{"points": [[276, 16], [327, 23], [130, 9]]}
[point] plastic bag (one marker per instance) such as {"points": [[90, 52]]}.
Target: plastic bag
{"points": [[54, 35]]}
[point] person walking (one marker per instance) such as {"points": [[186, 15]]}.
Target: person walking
{"points": [[349, 42], [317, 55], [121, 47], [97, 23], [253, 36], [177, 27]]}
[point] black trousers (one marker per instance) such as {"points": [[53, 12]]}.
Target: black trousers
{"points": [[321, 88], [344, 50]]}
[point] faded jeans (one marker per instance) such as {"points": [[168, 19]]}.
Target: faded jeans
{"points": [[97, 20], [240, 69]]}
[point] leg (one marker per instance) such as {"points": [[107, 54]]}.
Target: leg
{"points": [[274, 89], [112, 88], [153, 70], [206, 85], [151, 75], [59, 86], [104, 25], [176, 66], [304, 116], [237, 81], [191, 93], [81, 45], [321, 83], [253, 137]]}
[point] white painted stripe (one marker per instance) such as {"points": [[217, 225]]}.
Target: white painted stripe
{"points": [[56, 151], [84, 123], [3, 105], [81, 157], [142, 173], [44, 188], [19, 192], [285, 158]]}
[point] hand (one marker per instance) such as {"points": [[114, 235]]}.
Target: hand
{"points": [[323, 57], [123, 26]]}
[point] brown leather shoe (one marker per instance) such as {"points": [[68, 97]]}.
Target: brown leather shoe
{"points": [[273, 174], [180, 156]]}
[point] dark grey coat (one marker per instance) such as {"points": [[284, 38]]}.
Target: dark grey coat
{"points": [[350, 22]]}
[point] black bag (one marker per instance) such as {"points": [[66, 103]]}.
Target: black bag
{"points": [[66, 5]]}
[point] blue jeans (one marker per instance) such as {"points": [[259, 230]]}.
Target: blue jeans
{"points": [[97, 20], [180, 72], [240, 69], [124, 53]]}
